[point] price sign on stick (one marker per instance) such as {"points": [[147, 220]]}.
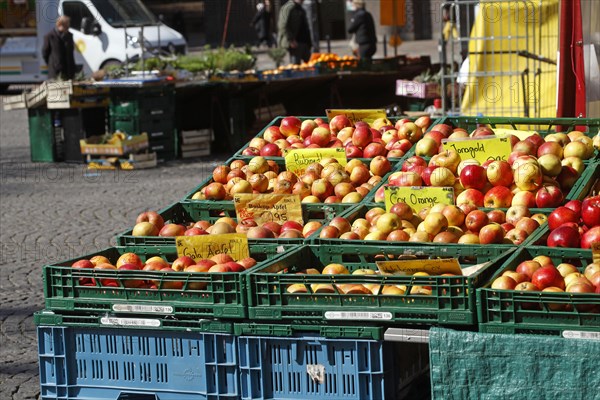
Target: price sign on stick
{"points": [[418, 197], [481, 149], [357, 115], [297, 160], [207, 246], [263, 208]]}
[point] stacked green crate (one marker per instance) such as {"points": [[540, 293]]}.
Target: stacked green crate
{"points": [[148, 109]]}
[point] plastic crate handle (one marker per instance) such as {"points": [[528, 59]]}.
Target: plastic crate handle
{"points": [[136, 396]]}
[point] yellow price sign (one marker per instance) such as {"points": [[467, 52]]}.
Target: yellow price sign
{"points": [[522, 135], [207, 246], [481, 149], [263, 208], [357, 115], [297, 160], [418, 197], [432, 267]]}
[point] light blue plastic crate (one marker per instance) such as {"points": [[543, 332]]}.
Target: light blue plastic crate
{"points": [[83, 363], [312, 367]]}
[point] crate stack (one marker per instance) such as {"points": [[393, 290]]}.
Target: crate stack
{"points": [[147, 109], [276, 331]]}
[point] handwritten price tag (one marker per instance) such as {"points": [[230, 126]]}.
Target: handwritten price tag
{"points": [[481, 149], [418, 197], [432, 267], [357, 115], [268, 207], [297, 160], [206, 246]]}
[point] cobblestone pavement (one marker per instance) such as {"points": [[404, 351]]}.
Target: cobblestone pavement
{"points": [[52, 212]]}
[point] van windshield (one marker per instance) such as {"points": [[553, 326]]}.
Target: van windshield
{"points": [[124, 13]]}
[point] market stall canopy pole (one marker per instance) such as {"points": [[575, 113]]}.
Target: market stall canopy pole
{"points": [[571, 81], [226, 23]]}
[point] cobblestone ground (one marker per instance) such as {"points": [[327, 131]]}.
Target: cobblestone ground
{"points": [[52, 212]]}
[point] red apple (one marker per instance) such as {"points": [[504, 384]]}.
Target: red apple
{"points": [[590, 211], [353, 151], [270, 150], [504, 283], [362, 136], [547, 276], [290, 126], [491, 234], [131, 283], [475, 220], [470, 197], [590, 237], [528, 268], [172, 230], [567, 178], [574, 205], [413, 162], [473, 177], [320, 136], [498, 197], [151, 216], [373, 150], [560, 216], [272, 133], [548, 197], [564, 236], [338, 123]]}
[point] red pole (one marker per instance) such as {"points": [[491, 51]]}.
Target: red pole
{"points": [[571, 99]]}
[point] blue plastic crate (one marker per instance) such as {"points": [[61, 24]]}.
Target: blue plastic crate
{"points": [[84, 363], [311, 367]]}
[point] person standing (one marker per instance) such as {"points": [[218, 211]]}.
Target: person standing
{"points": [[363, 27], [312, 15], [293, 32], [57, 51], [262, 23]]}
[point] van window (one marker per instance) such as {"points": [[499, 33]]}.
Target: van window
{"points": [[124, 13], [76, 11]]}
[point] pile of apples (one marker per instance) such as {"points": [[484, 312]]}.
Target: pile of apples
{"points": [[540, 274], [538, 172], [576, 224], [324, 182], [438, 224], [355, 288], [360, 140], [150, 223], [219, 263]]}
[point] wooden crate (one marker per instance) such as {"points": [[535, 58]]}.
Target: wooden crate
{"points": [[16, 102], [196, 143], [67, 94]]}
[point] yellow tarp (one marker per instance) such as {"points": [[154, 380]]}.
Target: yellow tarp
{"points": [[503, 95]]}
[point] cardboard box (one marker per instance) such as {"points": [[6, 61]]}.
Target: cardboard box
{"points": [[419, 90]]}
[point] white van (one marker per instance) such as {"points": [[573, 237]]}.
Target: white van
{"points": [[105, 32]]}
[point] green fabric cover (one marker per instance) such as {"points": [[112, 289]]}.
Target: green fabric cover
{"points": [[470, 365]]}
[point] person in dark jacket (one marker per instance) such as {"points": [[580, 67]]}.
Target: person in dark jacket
{"points": [[58, 51], [363, 27], [293, 32], [262, 23]]}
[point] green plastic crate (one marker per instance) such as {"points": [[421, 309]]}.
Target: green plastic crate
{"points": [[42, 141], [588, 184], [360, 210], [277, 121], [179, 213], [330, 209], [85, 290], [328, 331], [542, 125], [452, 301], [510, 311], [50, 318]]}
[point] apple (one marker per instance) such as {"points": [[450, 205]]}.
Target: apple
{"points": [[498, 197], [290, 126], [527, 224], [565, 269], [523, 198], [405, 178], [426, 147], [441, 177], [388, 222], [524, 146], [564, 236], [560, 216], [550, 148], [338, 123], [362, 136], [491, 234], [215, 191], [335, 269], [497, 216], [482, 131], [516, 236], [550, 164], [577, 149], [380, 166], [410, 131], [527, 176], [473, 177], [589, 237], [145, 229], [129, 258], [590, 211], [471, 197], [547, 276], [444, 128], [548, 197], [374, 149], [131, 283], [260, 232], [504, 283], [517, 276], [270, 150], [151, 216], [515, 213], [475, 220]]}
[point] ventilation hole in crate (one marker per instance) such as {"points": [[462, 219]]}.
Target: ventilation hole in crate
{"points": [[144, 346], [127, 345], [129, 371], [311, 354], [177, 348]]}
